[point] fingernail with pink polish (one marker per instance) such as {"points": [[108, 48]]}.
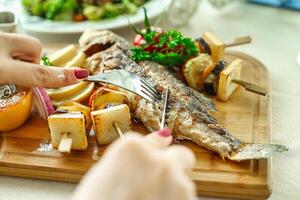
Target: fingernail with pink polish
{"points": [[164, 132], [81, 73]]}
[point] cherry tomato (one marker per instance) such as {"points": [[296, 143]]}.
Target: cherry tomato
{"points": [[138, 40]]}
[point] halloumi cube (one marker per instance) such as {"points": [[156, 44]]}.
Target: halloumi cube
{"points": [[72, 106], [71, 124], [217, 47], [226, 86], [103, 123]]}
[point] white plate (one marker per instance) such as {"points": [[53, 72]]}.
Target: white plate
{"points": [[40, 25]]}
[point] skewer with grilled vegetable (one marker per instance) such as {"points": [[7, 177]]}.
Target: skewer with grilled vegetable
{"points": [[193, 70], [106, 120], [104, 97], [68, 131], [230, 80], [71, 106], [69, 126], [212, 81], [213, 46]]}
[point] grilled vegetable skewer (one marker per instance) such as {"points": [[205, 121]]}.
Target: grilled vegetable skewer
{"points": [[104, 122], [69, 126], [230, 80], [212, 81], [217, 79], [68, 131], [194, 68], [213, 46]]}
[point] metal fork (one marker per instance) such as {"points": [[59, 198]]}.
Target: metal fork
{"points": [[128, 81]]}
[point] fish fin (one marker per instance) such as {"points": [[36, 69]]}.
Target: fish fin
{"points": [[206, 101], [257, 151]]}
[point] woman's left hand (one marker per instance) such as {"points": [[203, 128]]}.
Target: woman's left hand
{"points": [[19, 64]]}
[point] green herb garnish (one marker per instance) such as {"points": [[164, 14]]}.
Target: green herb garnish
{"points": [[46, 61], [168, 48]]}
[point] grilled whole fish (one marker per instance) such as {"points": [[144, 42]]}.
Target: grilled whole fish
{"points": [[188, 114]]}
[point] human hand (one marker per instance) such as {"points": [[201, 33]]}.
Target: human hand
{"points": [[20, 58], [141, 168]]}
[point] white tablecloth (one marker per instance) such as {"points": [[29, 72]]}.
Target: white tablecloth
{"points": [[276, 35]]}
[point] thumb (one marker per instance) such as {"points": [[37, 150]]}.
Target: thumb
{"points": [[159, 139], [34, 75]]}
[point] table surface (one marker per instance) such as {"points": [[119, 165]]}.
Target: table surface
{"points": [[276, 42]]}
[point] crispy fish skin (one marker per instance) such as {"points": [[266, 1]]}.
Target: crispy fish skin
{"points": [[188, 110]]}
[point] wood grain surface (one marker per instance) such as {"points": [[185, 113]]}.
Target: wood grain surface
{"points": [[26, 151]]}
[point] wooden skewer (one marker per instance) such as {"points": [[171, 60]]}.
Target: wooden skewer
{"points": [[65, 143], [118, 130], [239, 41], [251, 87], [162, 123]]}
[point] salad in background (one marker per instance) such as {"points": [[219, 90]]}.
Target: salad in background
{"points": [[81, 10]]}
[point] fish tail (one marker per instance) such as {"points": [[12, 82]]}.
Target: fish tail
{"points": [[256, 151]]}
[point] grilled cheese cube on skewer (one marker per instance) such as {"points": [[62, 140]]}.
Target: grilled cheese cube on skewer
{"points": [[226, 86], [68, 131], [216, 46], [229, 81], [213, 46], [103, 123], [71, 106]]}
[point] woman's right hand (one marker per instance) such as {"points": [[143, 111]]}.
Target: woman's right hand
{"points": [[141, 168]]}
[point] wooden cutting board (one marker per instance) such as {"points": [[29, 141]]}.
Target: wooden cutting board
{"points": [[26, 152]]}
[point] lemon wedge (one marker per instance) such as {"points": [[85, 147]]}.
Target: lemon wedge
{"points": [[66, 91], [79, 96]]}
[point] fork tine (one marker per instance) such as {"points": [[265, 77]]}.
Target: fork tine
{"points": [[146, 88], [146, 96], [147, 92], [149, 86]]}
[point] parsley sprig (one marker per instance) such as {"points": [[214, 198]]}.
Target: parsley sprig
{"points": [[46, 61], [169, 48]]}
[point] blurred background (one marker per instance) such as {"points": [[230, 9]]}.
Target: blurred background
{"points": [[47, 18]]}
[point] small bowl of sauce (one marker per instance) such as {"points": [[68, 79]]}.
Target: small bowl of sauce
{"points": [[8, 21]]}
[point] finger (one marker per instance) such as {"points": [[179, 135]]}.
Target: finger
{"points": [[159, 139], [34, 75], [23, 45], [26, 58], [185, 188], [181, 156]]}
